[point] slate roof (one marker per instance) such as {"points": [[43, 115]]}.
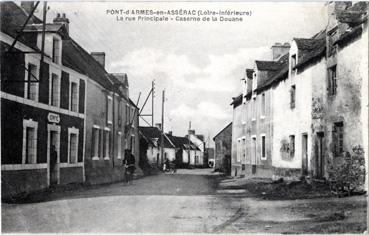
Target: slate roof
{"points": [[12, 18], [266, 65], [222, 130], [237, 101], [249, 73], [182, 143], [154, 133], [316, 51]]}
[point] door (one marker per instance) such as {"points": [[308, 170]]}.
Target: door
{"points": [[304, 155], [53, 157], [320, 155], [253, 158]]}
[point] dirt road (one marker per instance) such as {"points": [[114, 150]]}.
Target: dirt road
{"points": [[185, 202]]}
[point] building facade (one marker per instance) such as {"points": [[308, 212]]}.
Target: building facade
{"points": [[317, 99], [223, 150], [42, 106]]}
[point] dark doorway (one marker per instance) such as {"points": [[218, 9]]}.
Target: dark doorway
{"points": [[254, 152], [304, 166], [320, 155], [53, 157]]}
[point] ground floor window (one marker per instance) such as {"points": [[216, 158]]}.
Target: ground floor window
{"points": [[73, 145], [263, 153], [106, 143], [338, 138], [120, 143], [292, 146], [95, 142], [29, 142]]}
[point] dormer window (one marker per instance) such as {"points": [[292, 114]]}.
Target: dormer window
{"points": [[56, 51], [293, 61]]}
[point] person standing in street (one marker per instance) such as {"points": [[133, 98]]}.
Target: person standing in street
{"points": [[129, 164]]}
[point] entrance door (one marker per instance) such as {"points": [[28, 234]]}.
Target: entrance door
{"points": [[320, 155], [253, 159], [53, 154], [304, 154]]}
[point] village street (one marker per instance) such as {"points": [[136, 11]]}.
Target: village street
{"points": [[188, 201]]}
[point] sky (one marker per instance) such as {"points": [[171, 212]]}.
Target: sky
{"points": [[199, 64]]}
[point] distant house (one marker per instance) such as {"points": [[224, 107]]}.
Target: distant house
{"points": [[151, 137], [210, 155], [185, 149], [198, 141], [223, 149]]}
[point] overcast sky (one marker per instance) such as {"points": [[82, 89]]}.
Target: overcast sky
{"points": [[199, 64]]}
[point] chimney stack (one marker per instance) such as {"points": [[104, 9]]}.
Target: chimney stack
{"points": [[28, 6], [158, 125], [170, 133], [191, 132], [62, 19], [279, 49], [99, 57]]}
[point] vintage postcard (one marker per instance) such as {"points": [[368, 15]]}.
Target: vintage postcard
{"points": [[184, 117]]}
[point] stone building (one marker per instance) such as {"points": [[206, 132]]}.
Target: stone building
{"points": [[319, 103], [223, 149]]}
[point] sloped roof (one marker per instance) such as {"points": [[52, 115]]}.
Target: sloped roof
{"points": [[236, 100], [230, 124], [266, 65], [154, 133], [249, 73], [182, 142], [50, 27], [316, 51], [307, 44], [12, 18]]}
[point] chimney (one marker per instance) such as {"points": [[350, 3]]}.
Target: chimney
{"points": [[279, 49], [158, 125], [333, 9], [170, 133], [28, 6], [191, 132], [99, 57], [62, 19]]}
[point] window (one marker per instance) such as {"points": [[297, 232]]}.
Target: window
{"points": [[239, 149], [244, 148], [109, 109], [29, 142], [127, 114], [332, 80], [73, 148], [73, 145], [106, 144], [292, 146], [120, 143], [338, 138], [56, 51], [263, 154], [55, 90], [120, 115], [74, 97], [293, 61], [293, 97], [95, 142], [254, 109], [32, 83], [263, 105]]}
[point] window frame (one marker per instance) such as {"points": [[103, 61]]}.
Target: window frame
{"points": [[71, 82], [332, 81], [338, 133], [292, 145], [28, 84], [119, 142], [109, 109], [106, 143], [29, 123], [263, 106], [95, 143], [263, 155], [72, 131], [293, 97], [52, 91]]}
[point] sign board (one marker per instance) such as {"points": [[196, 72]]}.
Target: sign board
{"points": [[53, 117]]}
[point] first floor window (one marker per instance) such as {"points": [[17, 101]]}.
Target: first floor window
{"points": [[32, 83], [55, 90], [263, 154], [74, 97], [332, 80], [73, 148], [293, 97], [338, 138], [292, 146]]}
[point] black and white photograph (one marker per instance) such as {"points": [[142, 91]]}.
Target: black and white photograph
{"points": [[184, 117]]}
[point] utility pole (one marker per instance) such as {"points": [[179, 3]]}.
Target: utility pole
{"points": [[162, 127], [152, 101], [43, 40]]}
